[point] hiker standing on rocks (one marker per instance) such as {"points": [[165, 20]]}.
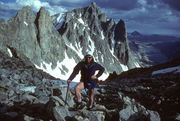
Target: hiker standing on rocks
{"points": [[88, 78]]}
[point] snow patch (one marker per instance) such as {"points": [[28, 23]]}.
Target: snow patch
{"points": [[83, 29], [78, 51], [102, 58], [10, 53], [29, 89], [113, 42], [75, 25], [69, 63], [103, 76], [167, 70], [112, 53], [73, 14], [92, 45], [124, 67], [25, 23], [102, 35], [81, 21], [137, 64], [80, 15], [60, 18], [118, 42]]}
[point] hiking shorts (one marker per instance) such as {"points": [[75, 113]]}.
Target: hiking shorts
{"points": [[90, 84]]}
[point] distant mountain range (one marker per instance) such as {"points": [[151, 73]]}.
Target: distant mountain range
{"points": [[154, 49]]}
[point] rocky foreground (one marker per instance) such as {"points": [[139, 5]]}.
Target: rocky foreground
{"points": [[28, 94], [158, 92]]}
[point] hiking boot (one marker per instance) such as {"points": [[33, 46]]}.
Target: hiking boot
{"points": [[90, 107], [77, 106], [80, 105]]}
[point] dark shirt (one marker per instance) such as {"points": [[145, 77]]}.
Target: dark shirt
{"points": [[87, 70]]}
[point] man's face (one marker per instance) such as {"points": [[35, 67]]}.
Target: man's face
{"points": [[88, 58]]}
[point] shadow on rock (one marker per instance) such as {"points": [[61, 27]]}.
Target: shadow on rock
{"points": [[24, 112], [68, 118]]}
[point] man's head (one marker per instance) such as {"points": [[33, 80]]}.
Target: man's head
{"points": [[89, 57]]}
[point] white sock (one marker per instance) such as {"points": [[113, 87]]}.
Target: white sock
{"points": [[79, 100]]}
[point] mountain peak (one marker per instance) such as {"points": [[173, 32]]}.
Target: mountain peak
{"points": [[26, 8], [120, 31], [25, 14], [136, 33], [94, 7], [44, 11], [93, 4]]}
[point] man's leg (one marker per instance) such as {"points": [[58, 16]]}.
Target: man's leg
{"points": [[78, 88], [91, 97]]}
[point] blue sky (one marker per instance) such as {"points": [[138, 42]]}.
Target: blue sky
{"points": [[145, 16]]}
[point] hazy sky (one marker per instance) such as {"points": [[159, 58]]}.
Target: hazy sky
{"points": [[145, 16]]}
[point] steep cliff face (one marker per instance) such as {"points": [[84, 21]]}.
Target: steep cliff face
{"points": [[20, 32], [121, 44], [34, 36], [57, 51]]}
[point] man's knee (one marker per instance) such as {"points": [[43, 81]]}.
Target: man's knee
{"points": [[91, 91], [79, 87], [76, 88]]}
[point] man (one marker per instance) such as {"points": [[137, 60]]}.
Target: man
{"points": [[88, 78]]}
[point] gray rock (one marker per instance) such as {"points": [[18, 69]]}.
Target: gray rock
{"points": [[43, 99], [10, 93], [12, 114], [126, 113], [90, 116], [55, 108], [178, 117], [53, 102], [60, 113], [57, 92], [3, 109], [29, 118], [26, 98], [154, 116]]}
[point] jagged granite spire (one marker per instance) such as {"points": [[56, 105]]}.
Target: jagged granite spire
{"points": [[120, 32], [26, 13], [121, 49]]}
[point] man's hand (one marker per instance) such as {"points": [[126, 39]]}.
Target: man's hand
{"points": [[94, 77], [69, 81]]}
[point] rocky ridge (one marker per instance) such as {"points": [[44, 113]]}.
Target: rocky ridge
{"points": [[153, 87]]}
